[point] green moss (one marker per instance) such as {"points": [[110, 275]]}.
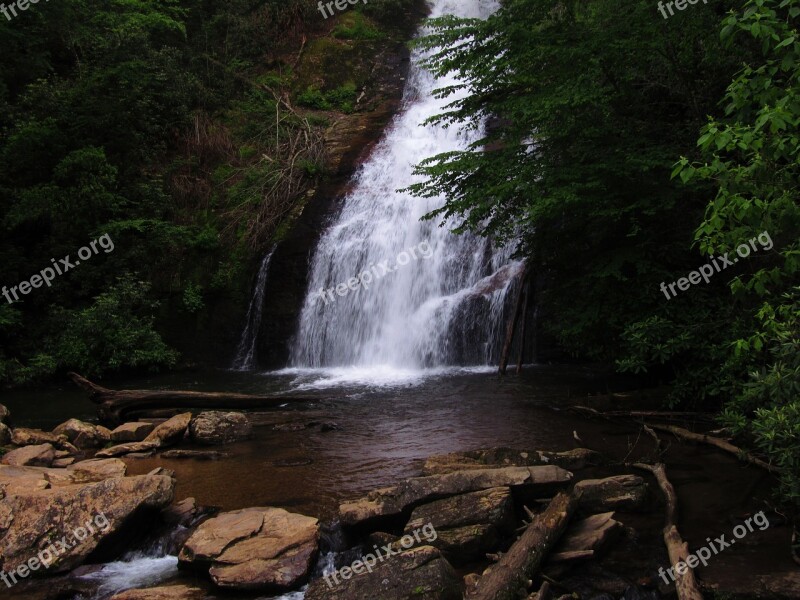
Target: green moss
{"points": [[355, 26]]}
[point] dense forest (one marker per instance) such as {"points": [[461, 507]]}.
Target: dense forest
{"points": [[625, 150]]}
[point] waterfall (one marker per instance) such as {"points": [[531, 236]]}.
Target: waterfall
{"points": [[440, 299], [246, 351]]}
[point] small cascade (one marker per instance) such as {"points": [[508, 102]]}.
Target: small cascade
{"points": [[246, 351]]}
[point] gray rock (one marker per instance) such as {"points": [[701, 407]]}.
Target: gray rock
{"points": [[213, 428]]}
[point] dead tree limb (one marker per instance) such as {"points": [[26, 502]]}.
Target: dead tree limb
{"points": [[718, 443], [678, 550], [115, 404], [525, 303], [509, 578], [512, 324]]}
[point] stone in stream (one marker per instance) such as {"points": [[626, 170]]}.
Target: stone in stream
{"points": [[394, 500], [254, 549], [83, 435], [129, 448], [571, 460], [34, 521], [30, 456], [169, 592], [22, 436], [214, 428], [621, 492], [132, 432], [170, 431], [467, 526], [5, 414], [97, 470], [5, 434], [417, 574]]}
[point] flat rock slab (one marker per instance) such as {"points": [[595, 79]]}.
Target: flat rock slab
{"points": [[418, 574], [128, 448], [254, 549], [132, 432], [587, 538], [213, 428], [97, 469], [621, 492], [394, 500], [169, 592], [571, 460], [22, 436], [170, 431], [32, 521], [41, 455]]}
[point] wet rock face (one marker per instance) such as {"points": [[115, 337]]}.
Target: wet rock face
{"points": [[31, 456], [254, 549], [83, 435], [213, 428], [418, 574], [66, 523]]}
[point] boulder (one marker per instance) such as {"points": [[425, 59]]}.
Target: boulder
{"points": [[394, 500], [182, 513], [170, 431], [96, 469], [418, 574], [254, 549], [169, 592], [5, 434], [81, 435], [467, 526], [23, 436], [63, 463], [571, 460], [5, 414], [213, 428], [621, 492], [41, 455], [129, 448], [132, 432], [33, 521]]}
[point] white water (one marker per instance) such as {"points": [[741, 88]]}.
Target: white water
{"points": [[246, 351], [133, 572], [430, 313]]}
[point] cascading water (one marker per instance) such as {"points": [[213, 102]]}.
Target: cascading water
{"points": [[246, 351], [434, 312]]}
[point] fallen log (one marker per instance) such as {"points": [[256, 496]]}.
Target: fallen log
{"points": [[114, 405], [678, 550], [510, 577], [718, 443]]}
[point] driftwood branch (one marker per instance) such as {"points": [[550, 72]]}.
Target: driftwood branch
{"points": [[509, 578], [718, 443], [115, 404], [685, 584]]}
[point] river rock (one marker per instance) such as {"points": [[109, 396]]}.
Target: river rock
{"points": [[466, 526], [394, 500], [96, 469], [81, 435], [41, 455], [254, 548], [571, 460], [5, 434], [213, 428], [621, 492], [169, 592], [129, 448], [417, 574], [5, 414], [132, 432], [32, 521], [63, 463], [23, 436], [170, 431]]}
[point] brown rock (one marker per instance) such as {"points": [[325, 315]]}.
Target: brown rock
{"points": [[621, 492], [571, 460], [170, 592], [394, 500], [5, 434], [129, 448], [418, 574], [170, 431], [132, 432], [254, 548], [215, 428], [63, 463], [23, 436], [32, 521], [30, 456], [5, 414], [96, 469], [81, 435], [182, 513]]}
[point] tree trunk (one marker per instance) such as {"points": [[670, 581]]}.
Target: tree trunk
{"points": [[525, 302], [512, 325], [115, 404], [509, 578]]}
